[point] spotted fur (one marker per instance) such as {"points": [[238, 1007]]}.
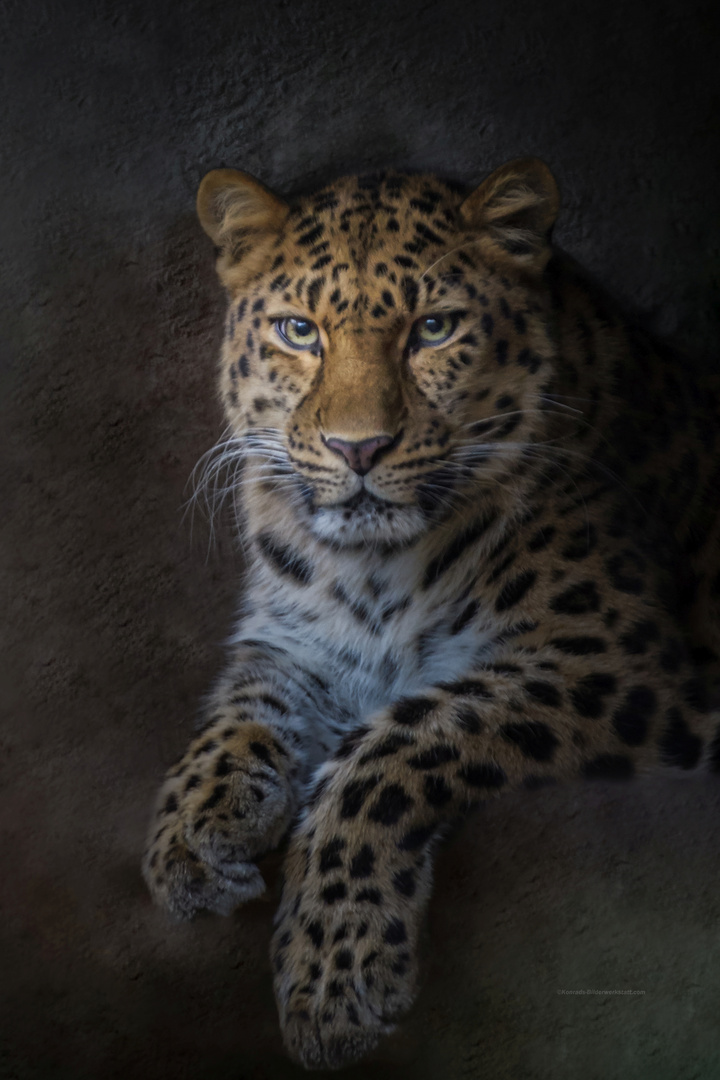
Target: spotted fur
{"points": [[474, 566]]}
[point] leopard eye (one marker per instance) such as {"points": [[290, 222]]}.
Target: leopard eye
{"points": [[300, 333], [434, 329]]}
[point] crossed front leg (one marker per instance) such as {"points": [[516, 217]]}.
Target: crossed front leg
{"points": [[233, 794], [358, 874]]}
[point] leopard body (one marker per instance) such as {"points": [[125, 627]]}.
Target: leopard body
{"points": [[517, 580]]}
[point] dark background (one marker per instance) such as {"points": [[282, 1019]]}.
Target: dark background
{"points": [[110, 114]]}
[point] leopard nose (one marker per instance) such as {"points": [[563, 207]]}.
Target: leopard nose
{"points": [[361, 456]]}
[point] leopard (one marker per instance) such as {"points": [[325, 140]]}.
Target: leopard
{"points": [[478, 505]]}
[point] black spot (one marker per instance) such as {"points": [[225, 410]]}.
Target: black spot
{"points": [[484, 774], [501, 351], [171, 804], [261, 751], [350, 741], [587, 695], [671, 658], [205, 748], [386, 748], [488, 324], [404, 882], [694, 692], [285, 560], [332, 893], [437, 792], [543, 692], [410, 292], [467, 688], [541, 539], [427, 234], [370, 896], [416, 838], [312, 236], [316, 934], [580, 599], [318, 790], [244, 366], [534, 739], [343, 960], [582, 645], [391, 804], [457, 547], [218, 794], [468, 720], [636, 640], [354, 795], [609, 767], [265, 699], [678, 745], [624, 571], [527, 358], [630, 719], [412, 710], [468, 613], [395, 933], [434, 756], [313, 293], [223, 764], [514, 590], [330, 855], [362, 864], [583, 540], [507, 428]]}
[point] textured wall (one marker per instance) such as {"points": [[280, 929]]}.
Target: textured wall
{"points": [[110, 113]]}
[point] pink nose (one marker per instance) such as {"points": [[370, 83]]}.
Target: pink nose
{"points": [[360, 456]]}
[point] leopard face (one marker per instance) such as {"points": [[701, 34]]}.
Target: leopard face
{"points": [[387, 348]]}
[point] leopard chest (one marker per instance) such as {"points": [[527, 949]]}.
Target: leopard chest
{"points": [[374, 629]]}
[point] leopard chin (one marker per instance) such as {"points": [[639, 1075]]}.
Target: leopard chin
{"points": [[365, 520]]}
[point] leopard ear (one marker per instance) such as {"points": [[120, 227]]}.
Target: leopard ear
{"points": [[514, 211], [238, 213], [228, 200]]}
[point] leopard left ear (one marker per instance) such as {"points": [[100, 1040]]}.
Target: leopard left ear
{"points": [[514, 211], [228, 200], [242, 217]]}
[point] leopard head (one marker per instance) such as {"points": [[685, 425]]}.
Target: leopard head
{"points": [[386, 348]]}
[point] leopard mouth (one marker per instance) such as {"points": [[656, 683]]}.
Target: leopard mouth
{"points": [[364, 501]]}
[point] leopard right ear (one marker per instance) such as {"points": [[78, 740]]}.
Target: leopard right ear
{"points": [[513, 212], [238, 213]]}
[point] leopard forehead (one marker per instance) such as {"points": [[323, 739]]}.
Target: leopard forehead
{"points": [[363, 257]]}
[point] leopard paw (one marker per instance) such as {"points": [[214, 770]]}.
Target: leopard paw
{"points": [[345, 949], [226, 802]]}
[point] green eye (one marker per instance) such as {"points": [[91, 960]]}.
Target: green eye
{"points": [[300, 333], [434, 329]]}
